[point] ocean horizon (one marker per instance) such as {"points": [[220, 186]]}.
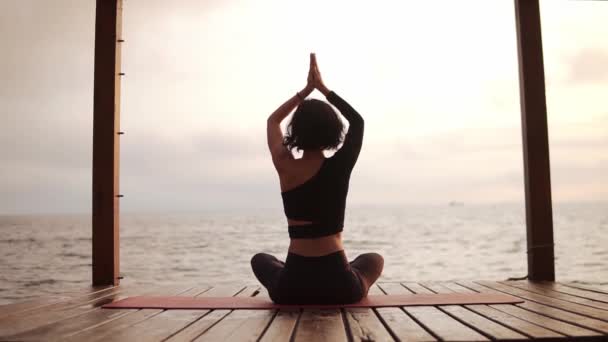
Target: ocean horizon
{"points": [[48, 253]]}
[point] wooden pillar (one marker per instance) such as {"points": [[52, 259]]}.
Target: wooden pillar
{"points": [[537, 176], [106, 152]]}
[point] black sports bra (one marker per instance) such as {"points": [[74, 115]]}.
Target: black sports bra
{"points": [[322, 198]]}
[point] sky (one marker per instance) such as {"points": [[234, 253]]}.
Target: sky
{"points": [[436, 82]]}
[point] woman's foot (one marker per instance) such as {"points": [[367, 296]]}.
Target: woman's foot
{"points": [[369, 266]]}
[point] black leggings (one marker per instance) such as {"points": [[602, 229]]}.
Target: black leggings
{"points": [[327, 279]]}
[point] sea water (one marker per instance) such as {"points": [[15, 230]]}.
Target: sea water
{"points": [[48, 254]]}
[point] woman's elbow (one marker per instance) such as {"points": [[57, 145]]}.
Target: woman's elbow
{"points": [[272, 121]]}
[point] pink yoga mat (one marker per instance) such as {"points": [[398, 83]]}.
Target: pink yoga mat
{"points": [[176, 302]]}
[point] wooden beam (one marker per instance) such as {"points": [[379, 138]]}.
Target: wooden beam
{"points": [[106, 152], [537, 176]]}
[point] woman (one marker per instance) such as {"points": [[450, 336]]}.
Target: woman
{"points": [[314, 190]]}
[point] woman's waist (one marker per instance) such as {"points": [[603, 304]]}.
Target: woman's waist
{"points": [[317, 221], [333, 260], [313, 229], [317, 246]]}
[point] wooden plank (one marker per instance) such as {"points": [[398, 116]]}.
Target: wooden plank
{"points": [[20, 307], [598, 296], [566, 316], [99, 332], [106, 145], [28, 320], [547, 291], [488, 327], [169, 322], [37, 303], [401, 325], [436, 287], [239, 325], [321, 325], [364, 324], [394, 288], [96, 317], [282, 326], [65, 301], [582, 321], [554, 302], [537, 174], [434, 320], [472, 319], [515, 323], [457, 287], [444, 326], [193, 329], [208, 320], [375, 290], [66, 326], [590, 288], [471, 285], [417, 288], [523, 327], [544, 321]]}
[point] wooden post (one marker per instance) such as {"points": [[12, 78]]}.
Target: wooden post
{"points": [[537, 176], [106, 152]]}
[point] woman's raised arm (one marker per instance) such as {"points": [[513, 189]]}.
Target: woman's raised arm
{"points": [[273, 125], [353, 140]]}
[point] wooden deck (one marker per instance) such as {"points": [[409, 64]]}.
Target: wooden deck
{"points": [[550, 311]]}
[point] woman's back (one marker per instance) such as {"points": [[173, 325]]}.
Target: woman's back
{"points": [[320, 200]]}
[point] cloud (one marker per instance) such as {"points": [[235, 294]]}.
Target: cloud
{"points": [[196, 97]]}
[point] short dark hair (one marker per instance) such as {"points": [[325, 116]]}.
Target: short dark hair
{"points": [[314, 125]]}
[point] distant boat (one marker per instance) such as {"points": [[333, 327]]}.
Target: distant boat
{"points": [[455, 204]]}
